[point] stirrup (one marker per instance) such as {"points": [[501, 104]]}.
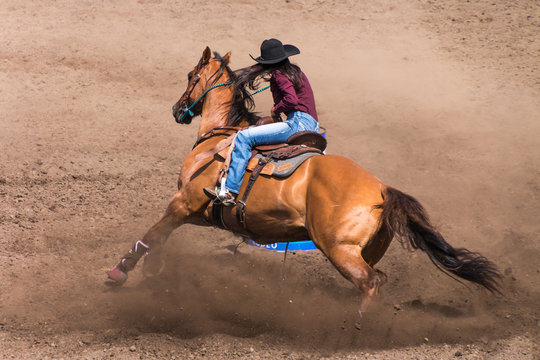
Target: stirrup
{"points": [[226, 197], [211, 193]]}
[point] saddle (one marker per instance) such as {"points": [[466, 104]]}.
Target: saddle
{"points": [[284, 159], [276, 160]]}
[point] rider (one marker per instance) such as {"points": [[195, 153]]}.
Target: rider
{"points": [[292, 96]]}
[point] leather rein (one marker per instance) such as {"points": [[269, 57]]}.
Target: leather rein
{"points": [[215, 132]]}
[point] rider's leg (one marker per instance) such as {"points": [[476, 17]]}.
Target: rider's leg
{"points": [[274, 133], [305, 121], [246, 139]]}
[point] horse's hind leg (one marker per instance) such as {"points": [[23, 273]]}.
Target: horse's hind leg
{"points": [[347, 258], [151, 243]]}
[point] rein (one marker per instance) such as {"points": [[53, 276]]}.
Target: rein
{"points": [[258, 91], [210, 133], [188, 110]]}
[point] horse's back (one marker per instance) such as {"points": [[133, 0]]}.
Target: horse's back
{"points": [[346, 180]]}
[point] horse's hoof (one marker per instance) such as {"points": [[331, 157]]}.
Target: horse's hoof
{"points": [[118, 276]]}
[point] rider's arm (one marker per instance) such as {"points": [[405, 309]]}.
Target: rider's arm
{"points": [[289, 99]]}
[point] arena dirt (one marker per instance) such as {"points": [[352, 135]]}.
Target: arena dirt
{"points": [[438, 99]]}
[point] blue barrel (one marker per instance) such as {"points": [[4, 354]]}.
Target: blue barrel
{"points": [[281, 246]]}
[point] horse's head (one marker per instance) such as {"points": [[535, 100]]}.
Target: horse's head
{"points": [[205, 74]]}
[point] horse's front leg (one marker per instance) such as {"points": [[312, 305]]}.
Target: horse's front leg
{"points": [[152, 243]]}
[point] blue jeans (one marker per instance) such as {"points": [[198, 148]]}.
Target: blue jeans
{"points": [[275, 133]]}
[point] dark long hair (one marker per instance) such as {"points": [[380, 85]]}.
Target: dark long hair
{"points": [[248, 79], [242, 104]]}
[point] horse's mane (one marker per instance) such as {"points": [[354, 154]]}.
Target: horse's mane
{"points": [[242, 104]]}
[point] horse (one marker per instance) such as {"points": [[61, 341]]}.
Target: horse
{"points": [[348, 213]]}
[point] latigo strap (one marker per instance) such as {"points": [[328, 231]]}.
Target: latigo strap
{"points": [[241, 205]]}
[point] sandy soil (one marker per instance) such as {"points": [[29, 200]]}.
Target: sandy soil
{"points": [[438, 99]]}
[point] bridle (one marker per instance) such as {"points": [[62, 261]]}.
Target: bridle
{"points": [[187, 95], [188, 110]]}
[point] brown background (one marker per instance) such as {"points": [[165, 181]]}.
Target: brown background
{"points": [[438, 99]]}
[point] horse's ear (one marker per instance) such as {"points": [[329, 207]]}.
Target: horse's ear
{"points": [[206, 55], [227, 58]]}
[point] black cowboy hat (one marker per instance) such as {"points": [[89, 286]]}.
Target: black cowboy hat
{"points": [[273, 51]]}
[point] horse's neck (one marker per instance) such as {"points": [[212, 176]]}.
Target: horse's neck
{"points": [[216, 109]]}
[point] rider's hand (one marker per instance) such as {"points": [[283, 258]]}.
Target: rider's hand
{"points": [[275, 116]]}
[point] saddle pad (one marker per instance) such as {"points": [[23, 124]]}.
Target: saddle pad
{"points": [[280, 168]]}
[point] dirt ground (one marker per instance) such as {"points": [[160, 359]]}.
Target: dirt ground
{"points": [[438, 99]]}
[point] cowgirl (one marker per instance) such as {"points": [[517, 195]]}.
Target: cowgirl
{"points": [[292, 96]]}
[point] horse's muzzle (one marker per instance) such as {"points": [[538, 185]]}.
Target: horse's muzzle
{"points": [[181, 114]]}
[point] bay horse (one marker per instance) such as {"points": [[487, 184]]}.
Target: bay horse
{"points": [[350, 215]]}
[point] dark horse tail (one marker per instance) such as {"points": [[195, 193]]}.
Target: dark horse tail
{"points": [[407, 219]]}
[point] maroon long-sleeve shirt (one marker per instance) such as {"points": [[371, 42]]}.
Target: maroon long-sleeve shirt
{"points": [[287, 99]]}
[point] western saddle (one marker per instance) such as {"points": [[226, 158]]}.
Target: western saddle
{"points": [[276, 160]]}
